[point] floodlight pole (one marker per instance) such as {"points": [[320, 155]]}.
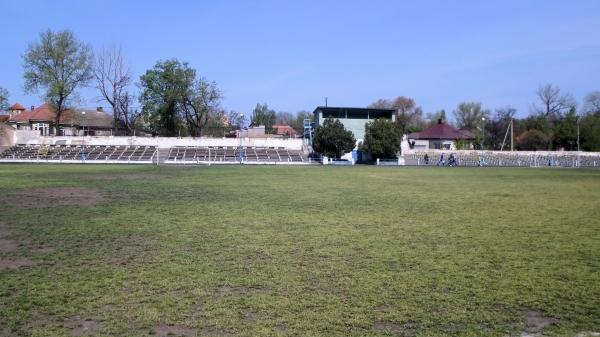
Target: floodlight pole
{"points": [[83, 136], [240, 134], [482, 133], [578, 149]]}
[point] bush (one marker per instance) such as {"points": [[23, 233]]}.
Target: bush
{"points": [[332, 139], [533, 140], [382, 139]]}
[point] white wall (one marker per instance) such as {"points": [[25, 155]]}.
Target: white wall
{"points": [[7, 136], [24, 137], [27, 136]]}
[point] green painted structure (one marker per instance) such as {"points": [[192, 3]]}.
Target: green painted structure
{"points": [[354, 119]]}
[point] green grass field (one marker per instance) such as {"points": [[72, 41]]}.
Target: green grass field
{"points": [[298, 251]]}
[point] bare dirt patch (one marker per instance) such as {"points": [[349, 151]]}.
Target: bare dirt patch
{"points": [[53, 196], [163, 330], [214, 332], [123, 176], [4, 232], [394, 328], [226, 290], [15, 262], [383, 308], [83, 327], [39, 319], [536, 321], [130, 250], [7, 245], [250, 317]]}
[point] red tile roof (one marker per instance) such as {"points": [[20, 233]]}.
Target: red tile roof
{"points": [[442, 131], [43, 113], [4, 118], [284, 130], [23, 117], [17, 106]]}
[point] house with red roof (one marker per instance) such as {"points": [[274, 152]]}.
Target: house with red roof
{"points": [[72, 122], [284, 130], [441, 136]]}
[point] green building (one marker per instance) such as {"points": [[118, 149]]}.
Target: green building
{"points": [[354, 119]]}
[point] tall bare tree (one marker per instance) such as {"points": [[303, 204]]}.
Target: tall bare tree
{"points": [[129, 116], [409, 116], [60, 64], [382, 103], [202, 99], [592, 102], [470, 115], [113, 77], [552, 102], [284, 118]]}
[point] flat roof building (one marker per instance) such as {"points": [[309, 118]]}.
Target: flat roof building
{"points": [[354, 119]]}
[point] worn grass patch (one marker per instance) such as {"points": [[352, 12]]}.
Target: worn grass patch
{"points": [[298, 251]]}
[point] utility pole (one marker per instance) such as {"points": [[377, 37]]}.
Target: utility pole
{"points": [[577, 133], [512, 135]]}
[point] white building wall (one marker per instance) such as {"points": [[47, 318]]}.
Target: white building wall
{"points": [[31, 138]]}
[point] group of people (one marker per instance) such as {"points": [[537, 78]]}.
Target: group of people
{"points": [[452, 160]]}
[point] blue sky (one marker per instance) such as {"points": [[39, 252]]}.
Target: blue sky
{"points": [[293, 54]]}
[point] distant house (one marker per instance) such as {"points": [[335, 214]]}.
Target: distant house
{"points": [[441, 136], [284, 130], [72, 122]]}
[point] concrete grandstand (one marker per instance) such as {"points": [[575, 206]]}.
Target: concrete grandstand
{"points": [[30, 146]]}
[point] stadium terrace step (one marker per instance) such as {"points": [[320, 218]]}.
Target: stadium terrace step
{"points": [[231, 155], [74, 153]]}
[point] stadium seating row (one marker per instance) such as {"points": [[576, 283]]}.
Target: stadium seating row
{"points": [[77, 153], [182, 154], [513, 159]]}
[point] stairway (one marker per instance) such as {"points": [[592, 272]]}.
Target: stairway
{"points": [[162, 155]]}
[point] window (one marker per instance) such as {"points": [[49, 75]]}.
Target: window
{"points": [[358, 114], [334, 114]]}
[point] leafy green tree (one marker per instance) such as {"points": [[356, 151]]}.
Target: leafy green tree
{"points": [[382, 139], [533, 140], [173, 97], [262, 115], [59, 64], [590, 132], [4, 96], [332, 139], [565, 135]]}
